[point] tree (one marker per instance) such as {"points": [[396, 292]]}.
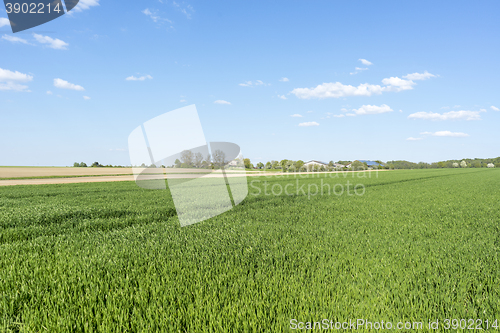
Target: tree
{"points": [[76, 165], [219, 158], [177, 163], [198, 159], [269, 165], [208, 161], [247, 163], [463, 164], [455, 165], [275, 164], [260, 165], [330, 164], [357, 165], [491, 165], [299, 164], [97, 165], [187, 158]]}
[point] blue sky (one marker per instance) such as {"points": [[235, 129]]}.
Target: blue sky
{"points": [[426, 87]]}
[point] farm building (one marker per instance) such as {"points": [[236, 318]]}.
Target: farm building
{"points": [[314, 162], [370, 164]]}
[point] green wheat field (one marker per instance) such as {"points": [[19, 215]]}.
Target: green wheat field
{"points": [[111, 257]]}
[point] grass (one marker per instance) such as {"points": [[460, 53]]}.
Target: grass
{"points": [[111, 257]]}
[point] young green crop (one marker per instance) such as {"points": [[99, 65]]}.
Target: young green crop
{"points": [[111, 257]]}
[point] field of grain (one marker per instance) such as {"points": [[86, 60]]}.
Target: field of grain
{"points": [[418, 245]]}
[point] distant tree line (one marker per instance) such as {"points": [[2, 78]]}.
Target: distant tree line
{"points": [[95, 165], [463, 163], [189, 159]]}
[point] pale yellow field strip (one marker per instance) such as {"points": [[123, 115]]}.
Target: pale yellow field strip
{"points": [[100, 179]]}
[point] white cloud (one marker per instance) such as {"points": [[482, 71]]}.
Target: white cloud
{"points": [[483, 110], [358, 69], [256, 83], [350, 114], [309, 123], [4, 22], [10, 80], [413, 139], [13, 86], [284, 79], [338, 115], [6, 76], [85, 4], [446, 133], [49, 92], [419, 76], [59, 83], [51, 42], [142, 78], [336, 90], [372, 109], [452, 115], [282, 96], [365, 62], [397, 84], [86, 98], [260, 83], [296, 115], [13, 39], [220, 101], [494, 108]]}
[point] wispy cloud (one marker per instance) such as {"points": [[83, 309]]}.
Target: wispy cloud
{"points": [[62, 84], [221, 101], [338, 90], [452, 115], [10, 80], [86, 98], [153, 15], [14, 39], [413, 139], [494, 108], [309, 123], [446, 133], [85, 4], [357, 70], [338, 116], [51, 42], [296, 115], [282, 96], [365, 62], [372, 109], [140, 78], [284, 79], [49, 92], [419, 76], [186, 11], [256, 83]]}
